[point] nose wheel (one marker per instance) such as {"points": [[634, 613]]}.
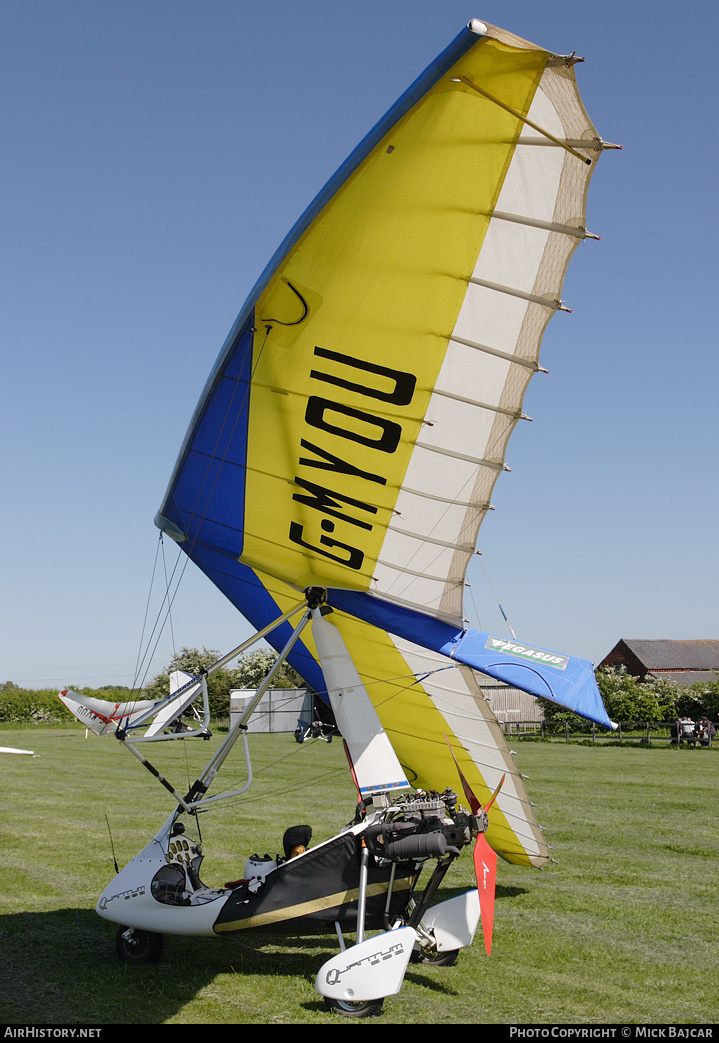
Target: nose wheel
{"points": [[348, 1009], [434, 958], [138, 946]]}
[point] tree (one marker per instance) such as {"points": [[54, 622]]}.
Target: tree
{"points": [[699, 700], [253, 668], [250, 672], [626, 699]]}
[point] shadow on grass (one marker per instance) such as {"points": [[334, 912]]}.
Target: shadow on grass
{"points": [[61, 967], [503, 891]]}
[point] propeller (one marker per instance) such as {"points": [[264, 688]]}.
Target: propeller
{"points": [[485, 858]]}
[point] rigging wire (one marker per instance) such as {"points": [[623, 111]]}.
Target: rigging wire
{"points": [[144, 621], [291, 787], [169, 604], [297, 750], [169, 597], [144, 658], [468, 586], [504, 614], [158, 627], [112, 845]]}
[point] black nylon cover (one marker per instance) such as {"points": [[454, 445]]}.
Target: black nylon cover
{"points": [[307, 894]]}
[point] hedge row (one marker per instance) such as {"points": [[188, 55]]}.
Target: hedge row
{"points": [[28, 706]]}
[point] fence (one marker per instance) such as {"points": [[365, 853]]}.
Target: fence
{"points": [[647, 732]]}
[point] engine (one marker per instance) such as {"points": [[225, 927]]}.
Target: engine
{"points": [[427, 825]]}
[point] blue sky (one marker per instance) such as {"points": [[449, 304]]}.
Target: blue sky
{"points": [[155, 153]]}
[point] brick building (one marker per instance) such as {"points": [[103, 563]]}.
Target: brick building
{"points": [[682, 662]]}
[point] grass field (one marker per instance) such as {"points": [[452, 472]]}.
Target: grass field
{"points": [[621, 929]]}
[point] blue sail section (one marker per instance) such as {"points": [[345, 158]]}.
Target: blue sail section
{"points": [[206, 497], [565, 680]]}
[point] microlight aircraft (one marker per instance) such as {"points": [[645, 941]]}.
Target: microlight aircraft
{"points": [[332, 484]]}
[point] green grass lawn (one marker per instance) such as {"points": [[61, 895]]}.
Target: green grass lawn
{"points": [[621, 929]]}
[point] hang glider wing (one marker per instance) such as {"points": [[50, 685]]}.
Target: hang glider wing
{"points": [[356, 420], [102, 716], [105, 718], [173, 708]]}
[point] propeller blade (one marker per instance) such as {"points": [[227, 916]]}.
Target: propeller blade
{"points": [[496, 792], [485, 858], [474, 804], [485, 866]]}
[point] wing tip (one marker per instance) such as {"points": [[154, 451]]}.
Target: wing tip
{"points": [[477, 27]]}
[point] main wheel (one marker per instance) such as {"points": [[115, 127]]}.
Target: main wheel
{"points": [[137, 946], [361, 1009], [434, 958]]}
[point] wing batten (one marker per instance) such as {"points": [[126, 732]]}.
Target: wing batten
{"points": [[515, 360]]}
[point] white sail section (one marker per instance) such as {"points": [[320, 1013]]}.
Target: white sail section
{"points": [[456, 695], [493, 350]]}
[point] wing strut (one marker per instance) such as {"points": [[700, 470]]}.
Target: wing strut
{"points": [[182, 694], [196, 794], [205, 780]]}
